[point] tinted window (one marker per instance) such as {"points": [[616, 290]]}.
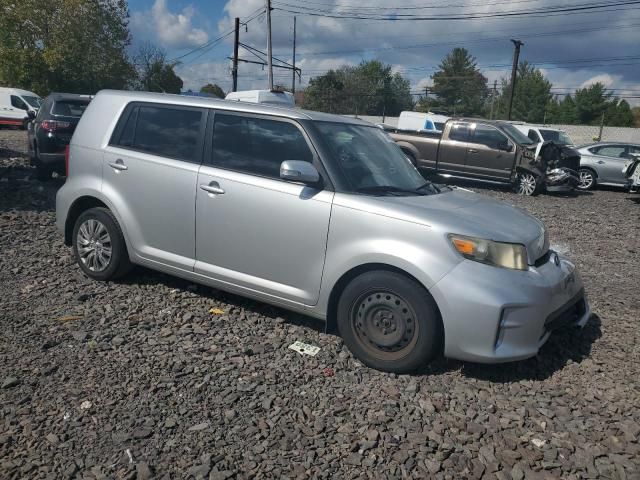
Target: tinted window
{"points": [[533, 136], [17, 102], [69, 108], [617, 151], [168, 132], [557, 136], [489, 136], [255, 145], [439, 125], [459, 132], [35, 102]]}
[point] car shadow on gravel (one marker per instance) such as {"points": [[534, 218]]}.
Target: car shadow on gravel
{"points": [[565, 346]]}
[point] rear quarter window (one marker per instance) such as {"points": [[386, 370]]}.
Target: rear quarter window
{"points": [[167, 131]]}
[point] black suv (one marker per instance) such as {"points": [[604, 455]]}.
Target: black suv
{"points": [[51, 130]]}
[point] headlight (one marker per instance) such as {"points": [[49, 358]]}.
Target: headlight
{"points": [[499, 254]]}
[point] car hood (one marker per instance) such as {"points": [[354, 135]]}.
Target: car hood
{"points": [[463, 212]]}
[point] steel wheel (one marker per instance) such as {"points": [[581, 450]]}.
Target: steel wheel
{"points": [[94, 245], [527, 184], [587, 179], [384, 323]]}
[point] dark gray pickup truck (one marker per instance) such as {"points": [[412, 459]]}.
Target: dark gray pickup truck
{"points": [[492, 150]]}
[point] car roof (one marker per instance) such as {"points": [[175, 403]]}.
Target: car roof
{"points": [[17, 91], [231, 105]]}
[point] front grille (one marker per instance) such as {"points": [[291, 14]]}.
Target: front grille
{"points": [[568, 314]]}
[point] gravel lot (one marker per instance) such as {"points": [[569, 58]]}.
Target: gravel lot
{"points": [[138, 379]]}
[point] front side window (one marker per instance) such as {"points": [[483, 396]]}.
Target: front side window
{"points": [[489, 136], [165, 131], [370, 162], [35, 102], [459, 132], [515, 134], [255, 145], [615, 151], [16, 102]]}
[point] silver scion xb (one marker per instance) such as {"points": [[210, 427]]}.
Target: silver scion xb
{"points": [[316, 213]]}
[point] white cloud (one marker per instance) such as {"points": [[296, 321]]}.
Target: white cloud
{"points": [[171, 30], [604, 78]]}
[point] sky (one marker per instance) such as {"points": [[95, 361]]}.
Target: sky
{"points": [[573, 49]]}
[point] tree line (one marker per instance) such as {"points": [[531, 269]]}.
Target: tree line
{"points": [[79, 46], [460, 89]]}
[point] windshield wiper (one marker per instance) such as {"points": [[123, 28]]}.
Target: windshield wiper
{"points": [[389, 189]]}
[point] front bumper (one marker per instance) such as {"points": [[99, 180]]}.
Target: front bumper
{"points": [[494, 315], [561, 180]]}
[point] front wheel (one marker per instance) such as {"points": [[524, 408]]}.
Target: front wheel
{"points": [[587, 179], [389, 322], [527, 184], [99, 246]]}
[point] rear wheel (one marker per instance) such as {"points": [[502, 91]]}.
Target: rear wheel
{"points": [[527, 184], [389, 322], [43, 172], [99, 246], [587, 179]]}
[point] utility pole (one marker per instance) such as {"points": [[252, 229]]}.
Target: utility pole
{"points": [[493, 97], [293, 72], [514, 71], [601, 128], [269, 52], [236, 41]]}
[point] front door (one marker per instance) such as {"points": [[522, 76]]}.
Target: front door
{"points": [[452, 153], [611, 159], [150, 169], [253, 230], [487, 156]]}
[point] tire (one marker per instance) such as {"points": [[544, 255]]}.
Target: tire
{"points": [[588, 179], [389, 322], [527, 184], [89, 229], [43, 174]]}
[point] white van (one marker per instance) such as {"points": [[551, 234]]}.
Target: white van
{"points": [[15, 105], [272, 97], [539, 133], [418, 121]]}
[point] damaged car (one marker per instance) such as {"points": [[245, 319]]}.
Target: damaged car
{"points": [[492, 150]]}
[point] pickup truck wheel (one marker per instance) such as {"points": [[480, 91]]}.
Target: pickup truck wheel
{"points": [[527, 184], [389, 322], [587, 179], [99, 246]]}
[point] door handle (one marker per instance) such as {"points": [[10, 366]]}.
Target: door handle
{"points": [[118, 165], [472, 150], [600, 162], [213, 187]]}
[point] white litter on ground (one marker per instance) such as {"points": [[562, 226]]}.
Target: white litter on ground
{"points": [[304, 348]]}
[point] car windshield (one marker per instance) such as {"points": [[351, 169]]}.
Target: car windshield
{"points": [[35, 102], [515, 134], [557, 136], [371, 162]]}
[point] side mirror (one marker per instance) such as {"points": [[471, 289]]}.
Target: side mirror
{"points": [[31, 114], [299, 171]]}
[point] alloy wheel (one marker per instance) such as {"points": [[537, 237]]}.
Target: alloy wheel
{"points": [[526, 184], [384, 323], [94, 245], [586, 180]]}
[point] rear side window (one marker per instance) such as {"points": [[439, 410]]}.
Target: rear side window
{"points": [[172, 132], [489, 136], [459, 132], [69, 108], [615, 151], [256, 145]]}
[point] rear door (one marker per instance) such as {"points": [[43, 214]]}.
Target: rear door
{"points": [[254, 230], [150, 171], [609, 161], [452, 153], [487, 156]]}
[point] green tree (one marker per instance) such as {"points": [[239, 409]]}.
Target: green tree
{"points": [[370, 88], [155, 74], [459, 85], [590, 103], [532, 96], [213, 89], [619, 114], [66, 45], [636, 116]]}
